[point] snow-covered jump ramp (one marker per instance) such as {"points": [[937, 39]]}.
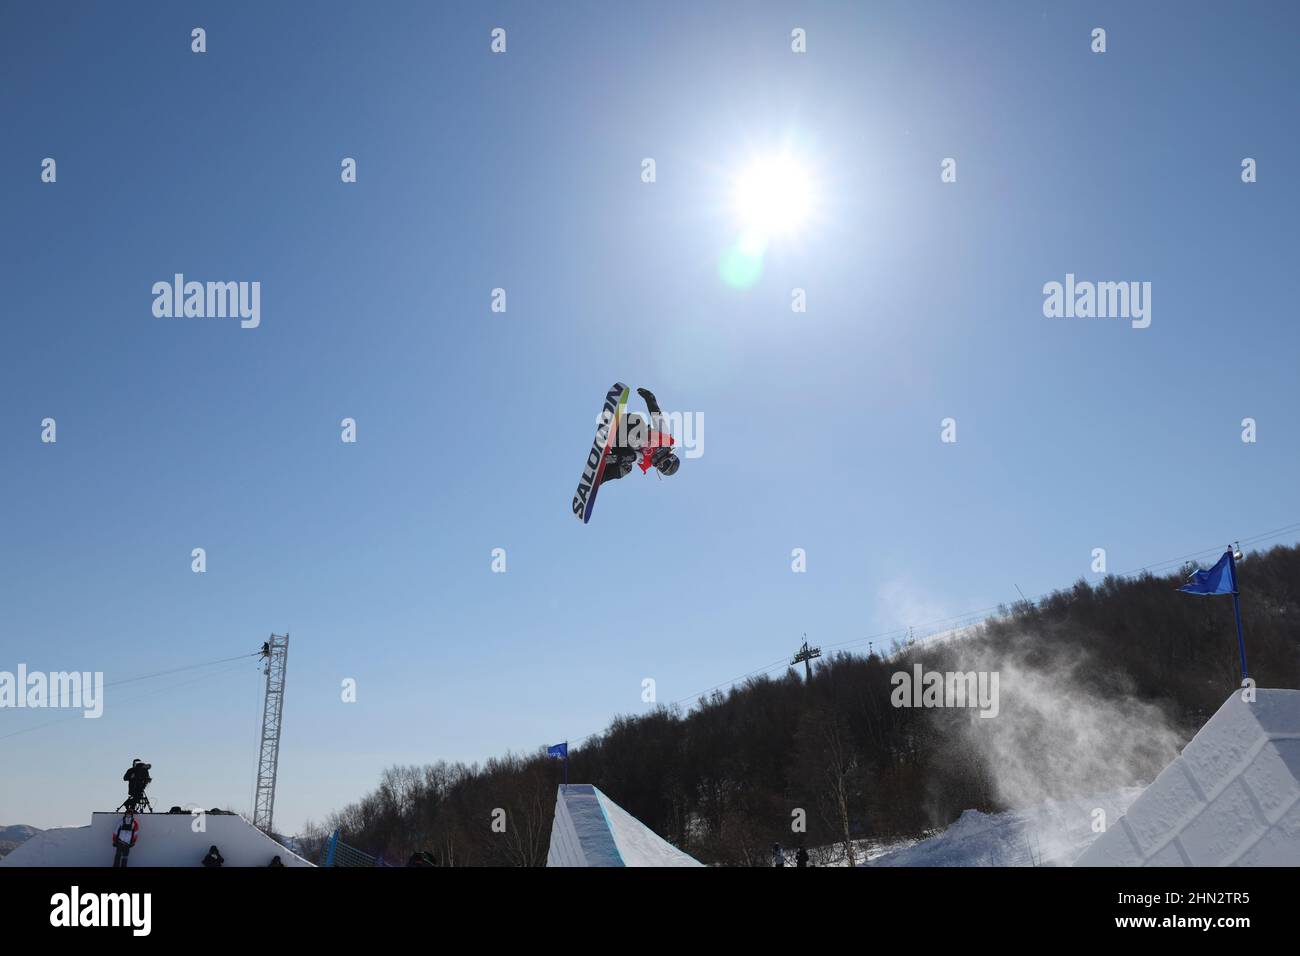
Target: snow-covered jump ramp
{"points": [[165, 839], [1232, 798], [592, 830]]}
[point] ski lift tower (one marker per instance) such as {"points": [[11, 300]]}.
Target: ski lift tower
{"points": [[804, 656], [276, 653]]}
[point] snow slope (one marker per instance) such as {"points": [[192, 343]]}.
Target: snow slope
{"points": [[1051, 834], [1232, 798], [592, 830], [165, 839]]}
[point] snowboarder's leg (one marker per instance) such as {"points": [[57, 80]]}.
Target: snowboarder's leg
{"points": [[618, 464]]}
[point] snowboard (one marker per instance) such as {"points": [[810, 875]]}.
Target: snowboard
{"points": [[584, 499]]}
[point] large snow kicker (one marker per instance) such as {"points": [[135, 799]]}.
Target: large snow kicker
{"points": [[592, 830], [1232, 798], [165, 839]]}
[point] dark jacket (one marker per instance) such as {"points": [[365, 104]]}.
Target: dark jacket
{"points": [[137, 777]]}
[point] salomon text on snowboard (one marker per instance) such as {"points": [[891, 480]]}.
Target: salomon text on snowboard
{"points": [[606, 430]]}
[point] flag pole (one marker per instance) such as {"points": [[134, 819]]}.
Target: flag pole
{"points": [[566, 743], [1236, 611]]}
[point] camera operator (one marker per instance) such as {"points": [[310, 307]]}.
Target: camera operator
{"points": [[137, 778]]}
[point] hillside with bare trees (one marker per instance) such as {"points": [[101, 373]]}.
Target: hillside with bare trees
{"points": [[1098, 685]]}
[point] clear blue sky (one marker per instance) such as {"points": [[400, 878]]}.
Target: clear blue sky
{"points": [[523, 171]]}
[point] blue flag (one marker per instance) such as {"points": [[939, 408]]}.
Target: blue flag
{"points": [[1217, 580], [559, 750], [1222, 579]]}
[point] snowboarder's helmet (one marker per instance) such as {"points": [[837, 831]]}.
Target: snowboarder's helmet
{"points": [[668, 464]]}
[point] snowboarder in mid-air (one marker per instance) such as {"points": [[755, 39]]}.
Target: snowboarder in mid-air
{"points": [[638, 441], [621, 443]]}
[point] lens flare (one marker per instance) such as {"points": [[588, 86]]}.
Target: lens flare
{"points": [[741, 264]]}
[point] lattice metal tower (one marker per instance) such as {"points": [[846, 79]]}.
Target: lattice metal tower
{"points": [[276, 652]]}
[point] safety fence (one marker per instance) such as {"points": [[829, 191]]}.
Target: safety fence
{"points": [[338, 853]]}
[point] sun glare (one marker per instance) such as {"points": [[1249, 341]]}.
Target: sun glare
{"points": [[774, 197]]}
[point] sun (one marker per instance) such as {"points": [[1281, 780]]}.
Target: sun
{"points": [[774, 197]]}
